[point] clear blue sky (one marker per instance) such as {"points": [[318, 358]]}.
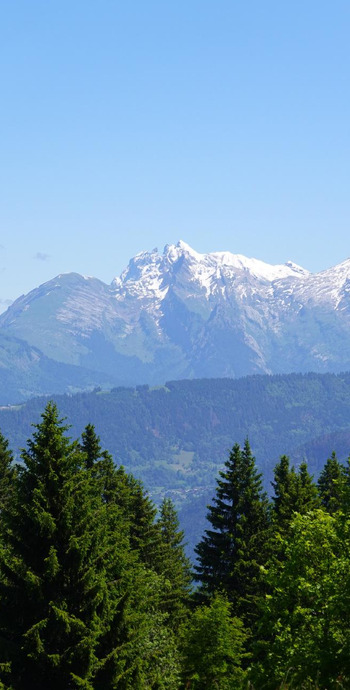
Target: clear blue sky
{"points": [[129, 125]]}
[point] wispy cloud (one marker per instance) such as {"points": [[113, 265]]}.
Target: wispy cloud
{"points": [[41, 256]]}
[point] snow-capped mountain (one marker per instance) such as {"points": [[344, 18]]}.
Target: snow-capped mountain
{"points": [[183, 314]]}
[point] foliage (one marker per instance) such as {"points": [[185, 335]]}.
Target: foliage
{"points": [[7, 473], [304, 623], [95, 586], [231, 553], [212, 647], [78, 605], [332, 484], [173, 564], [294, 492]]}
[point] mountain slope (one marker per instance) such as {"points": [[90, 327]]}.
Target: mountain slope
{"points": [[176, 438], [182, 314]]}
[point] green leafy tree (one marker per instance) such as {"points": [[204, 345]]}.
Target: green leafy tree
{"points": [[230, 554], [212, 646], [304, 628]]}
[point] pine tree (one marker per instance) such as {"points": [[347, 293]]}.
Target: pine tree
{"points": [[90, 445], [307, 497], [59, 603], [173, 564], [144, 530], [331, 485], [293, 492], [125, 492], [285, 492], [147, 638], [230, 554], [7, 473]]}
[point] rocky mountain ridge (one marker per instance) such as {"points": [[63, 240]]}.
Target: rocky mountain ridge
{"points": [[181, 314]]}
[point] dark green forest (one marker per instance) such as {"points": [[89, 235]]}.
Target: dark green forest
{"points": [[176, 438], [96, 591]]}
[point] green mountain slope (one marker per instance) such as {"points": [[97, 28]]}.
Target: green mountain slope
{"points": [[176, 438], [25, 371]]}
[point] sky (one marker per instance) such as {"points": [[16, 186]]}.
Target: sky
{"points": [[126, 126]]}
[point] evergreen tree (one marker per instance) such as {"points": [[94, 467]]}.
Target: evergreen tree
{"points": [[125, 492], [331, 485], [7, 473], [144, 530], [293, 492], [230, 554], [285, 493], [307, 496], [109, 480], [90, 445], [59, 603], [173, 564]]}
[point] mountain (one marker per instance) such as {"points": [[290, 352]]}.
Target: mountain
{"points": [[182, 314]]}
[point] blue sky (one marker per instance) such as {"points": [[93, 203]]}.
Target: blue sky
{"points": [[130, 125]]}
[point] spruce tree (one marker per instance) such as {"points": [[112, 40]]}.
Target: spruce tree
{"points": [[307, 497], [285, 492], [293, 492], [144, 530], [125, 492], [231, 553], [90, 446], [173, 564], [7, 472], [331, 485], [59, 603]]}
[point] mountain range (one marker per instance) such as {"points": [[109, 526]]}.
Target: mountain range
{"points": [[171, 315]]}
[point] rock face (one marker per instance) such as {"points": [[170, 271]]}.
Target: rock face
{"points": [[181, 314]]}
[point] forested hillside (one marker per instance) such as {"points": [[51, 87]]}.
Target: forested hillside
{"points": [[96, 591], [175, 438]]}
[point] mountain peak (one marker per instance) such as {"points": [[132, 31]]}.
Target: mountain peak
{"points": [[181, 313], [224, 259]]}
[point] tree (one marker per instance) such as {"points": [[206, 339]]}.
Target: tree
{"points": [[90, 446], [293, 492], [307, 495], [304, 623], [59, 603], [285, 493], [331, 485], [173, 564], [7, 472], [230, 554], [212, 647], [144, 530]]}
